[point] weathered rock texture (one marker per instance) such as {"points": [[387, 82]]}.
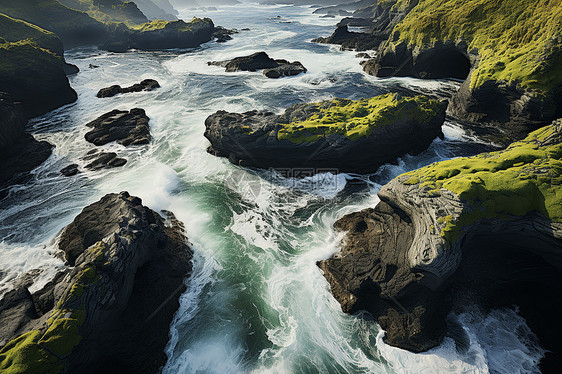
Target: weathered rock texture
{"points": [[485, 229], [127, 128], [260, 61], [32, 67], [19, 151], [111, 311], [354, 136], [145, 85]]}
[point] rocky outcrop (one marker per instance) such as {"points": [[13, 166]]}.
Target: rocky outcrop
{"points": [[103, 160], [32, 67], [161, 35], [126, 128], [145, 85], [344, 135], [112, 309], [350, 40], [513, 94], [19, 151], [484, 229], [261, 61]]}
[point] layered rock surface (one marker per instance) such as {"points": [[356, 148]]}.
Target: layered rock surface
{"points": [[126, 128], [111, 311], [354, 136], [484, 229]]}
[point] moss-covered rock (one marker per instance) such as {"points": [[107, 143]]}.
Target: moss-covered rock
{"points": [[13, 30], [34, 76], [129, 265], [72, 26], [344, 135], [509, 52], [109, 10], [485, 229]]}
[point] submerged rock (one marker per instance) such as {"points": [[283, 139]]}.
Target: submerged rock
{"points": [[145, 85], [485, 229], [261, 61], [112, 309], [344, 135], [127, 128]]}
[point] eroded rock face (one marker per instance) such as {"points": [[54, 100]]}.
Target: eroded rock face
{"points": [[262, 140], [424, 249], [127, 128], [111, 311], [145, 85], [19, 151], [350, 40], [260, 61]]}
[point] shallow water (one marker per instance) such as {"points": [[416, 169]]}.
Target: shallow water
{"points": [[256, 301]]}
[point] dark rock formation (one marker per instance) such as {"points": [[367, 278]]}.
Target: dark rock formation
{"points": [[70, 170], [19, 151], [425, 249], [28, 72], [145, 85], [111, 311], [262, 140], [260, 61], [104, 160], [127, 128], [222, 34], [350, 40]]}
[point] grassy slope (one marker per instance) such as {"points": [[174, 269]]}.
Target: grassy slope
{"points": [[14, 30], [355, 119], [517, 40], [525, 177], [109, 10]]}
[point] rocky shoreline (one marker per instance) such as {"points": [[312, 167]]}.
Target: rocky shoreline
{"points": [[111, 308]]}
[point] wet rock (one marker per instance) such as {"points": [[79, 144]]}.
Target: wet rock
{"points": [[126, 128], [145, 85], [128, 270], [350, 40], [70, 170], [260, 61], [104, 160]]}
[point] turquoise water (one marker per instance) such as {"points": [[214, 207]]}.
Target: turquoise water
{"points": [[256, 301]]}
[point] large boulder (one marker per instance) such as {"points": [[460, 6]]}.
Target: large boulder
{"points": [[261, 61], [485, 229], [350, 40], [344, 135], [110, 311], [126, 128]]}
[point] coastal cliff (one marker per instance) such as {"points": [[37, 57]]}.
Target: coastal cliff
{"points": [[487, 228]]}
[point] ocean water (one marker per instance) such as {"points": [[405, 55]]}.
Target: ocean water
{"points": [[256, 302]]}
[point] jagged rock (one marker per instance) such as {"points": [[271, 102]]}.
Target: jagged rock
{"points": [[145, 85], [285, 69], [259, 61], [350, 40], [222, 34], [484, 229], [343, 135], [104, 160], [70, 170], [111, 311], [127, 128]]}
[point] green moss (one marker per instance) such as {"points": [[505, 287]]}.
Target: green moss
{"points": [[526, 177], [355, 119], [14, 30], [517, 40], [180, 26]]}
